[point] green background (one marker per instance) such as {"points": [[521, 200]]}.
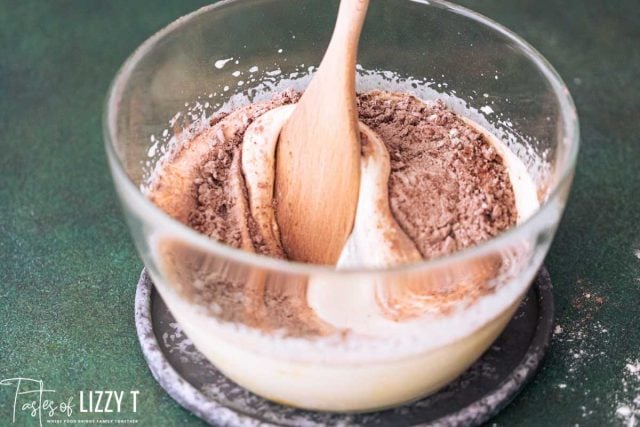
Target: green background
{"points": [[68, 267]]}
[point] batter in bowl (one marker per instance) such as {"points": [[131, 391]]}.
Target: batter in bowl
{"points": [[432, 183]]}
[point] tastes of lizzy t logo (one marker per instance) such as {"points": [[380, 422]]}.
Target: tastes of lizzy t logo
{"points": [[31, 399]]}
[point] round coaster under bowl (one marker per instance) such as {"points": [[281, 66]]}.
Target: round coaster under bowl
{"points": [[474, 397]]}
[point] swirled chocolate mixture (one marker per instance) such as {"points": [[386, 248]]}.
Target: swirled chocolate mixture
{"points": [[449, 189]]}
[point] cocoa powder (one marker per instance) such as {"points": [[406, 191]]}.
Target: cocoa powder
{"points": [[213, 214], [449, 189]]}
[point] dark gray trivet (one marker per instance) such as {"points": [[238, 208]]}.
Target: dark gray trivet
{"points": [[477, 395]]}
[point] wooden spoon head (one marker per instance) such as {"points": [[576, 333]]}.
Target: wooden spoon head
{"points": [[318, 175], [318, 153]]}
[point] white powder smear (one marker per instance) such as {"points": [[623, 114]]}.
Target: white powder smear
{"points": [[220, 63], [486, 109]]}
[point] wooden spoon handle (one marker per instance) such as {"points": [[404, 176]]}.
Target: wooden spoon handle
{"points": [[318, 152], [343, 46]]}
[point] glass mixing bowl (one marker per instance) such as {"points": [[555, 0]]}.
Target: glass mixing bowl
{"points": [[237, 51]]}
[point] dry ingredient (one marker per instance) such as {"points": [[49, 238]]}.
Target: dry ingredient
{"points": [[449, 189]]}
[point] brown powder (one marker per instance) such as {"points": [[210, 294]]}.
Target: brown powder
{"points": [[449, 189], [216, 214]]}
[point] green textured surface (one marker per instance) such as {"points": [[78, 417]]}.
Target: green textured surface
{"points": [[68, 267]]}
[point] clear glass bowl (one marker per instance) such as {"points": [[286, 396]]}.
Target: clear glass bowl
{"points": [[220, 295]]}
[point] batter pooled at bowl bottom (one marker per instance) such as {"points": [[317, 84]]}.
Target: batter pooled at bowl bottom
{"points": [[432, 183]]}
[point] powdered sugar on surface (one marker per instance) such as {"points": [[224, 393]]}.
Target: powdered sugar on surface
{"points": [[586, 348], [581, 345], [627, 399]]}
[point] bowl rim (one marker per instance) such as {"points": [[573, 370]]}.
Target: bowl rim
{"points": [[568, 114]]}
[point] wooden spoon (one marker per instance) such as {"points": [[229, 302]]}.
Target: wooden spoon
{"points": [[318, 153]]}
